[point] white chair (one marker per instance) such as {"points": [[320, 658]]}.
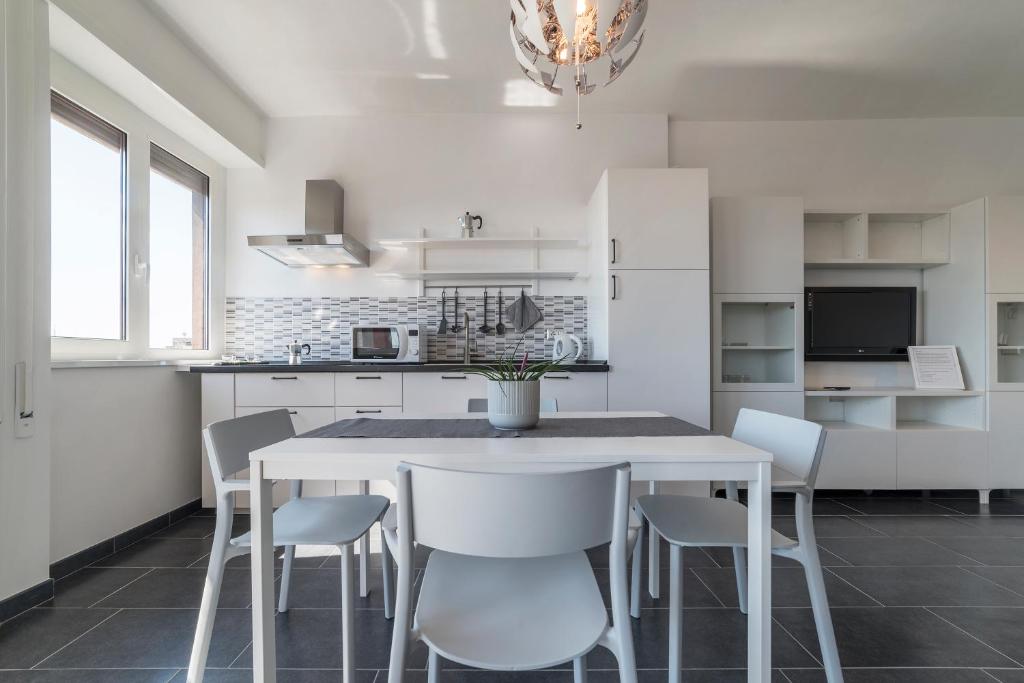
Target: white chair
{"points": [[479, 405], [509, 586], [688, 521], [330, 520]]}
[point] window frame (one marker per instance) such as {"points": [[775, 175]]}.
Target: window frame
{"points": [[142, 131], [98, 129]]}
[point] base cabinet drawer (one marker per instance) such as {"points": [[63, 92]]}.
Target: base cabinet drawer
{"points": [[942, 459], [349, 412], [284, 389], [858, 459], [576, 391], [441, 392], [368, 389], [304, 419]]}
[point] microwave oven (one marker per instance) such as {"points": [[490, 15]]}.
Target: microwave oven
{"points": [[388, 344]]}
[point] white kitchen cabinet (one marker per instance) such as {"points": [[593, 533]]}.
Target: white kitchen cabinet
{"points": [[284, 389], [657, 218], [1006, 439], [217, 403], [368, 389], [1004, 239], [349, 412], [304, 419], [440, 392], [934, 457], [659, 330], [576, 391], [858, 457], [727, 405], [757, 245]]}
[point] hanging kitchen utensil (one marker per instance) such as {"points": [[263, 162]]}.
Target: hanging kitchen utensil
{"points": [[455, 325], [443, 327], [500, 329], [485, 328], [523, 313]]}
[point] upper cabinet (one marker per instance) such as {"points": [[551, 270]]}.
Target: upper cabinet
{"points": [[757, 245], [657, 218], [1004, 241]]}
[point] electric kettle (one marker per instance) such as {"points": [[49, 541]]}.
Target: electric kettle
{"points": [[567, 346]]}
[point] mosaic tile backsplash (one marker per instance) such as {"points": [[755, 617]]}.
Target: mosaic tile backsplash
{"points": [[263, 326]]}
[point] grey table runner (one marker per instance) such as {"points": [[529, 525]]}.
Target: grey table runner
{"points": [[478, 428]]}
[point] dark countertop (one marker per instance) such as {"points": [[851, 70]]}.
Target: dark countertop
{"points": [[348, 366]]}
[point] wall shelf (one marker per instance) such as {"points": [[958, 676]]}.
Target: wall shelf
{"points": [[880, 263], [479, 275], [876, 240], [482, 243]]}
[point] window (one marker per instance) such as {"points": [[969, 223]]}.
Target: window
{"points": [[178, 241], [88, 224]]}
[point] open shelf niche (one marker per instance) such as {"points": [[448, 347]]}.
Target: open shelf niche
{"points": [[1009, 356], [876, 240], [897, 409], [758, 341]]}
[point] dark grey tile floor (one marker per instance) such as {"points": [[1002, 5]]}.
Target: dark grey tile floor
{"points": [[923, 588]]}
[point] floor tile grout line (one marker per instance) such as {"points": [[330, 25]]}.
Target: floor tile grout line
{"points": [[174, 674], [992, 581], [927, 539], [703, 583], [797, 641], [851, 585], [971, 635], [146, 573], [989, 674], [239, 655], [77, 638]]}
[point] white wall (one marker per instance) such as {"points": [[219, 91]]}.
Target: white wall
{"points": [[24, 291], [126, 448], [905, 164], [401, 173]]}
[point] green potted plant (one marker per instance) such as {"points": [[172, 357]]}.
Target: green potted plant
{"points": [[513, 388]]}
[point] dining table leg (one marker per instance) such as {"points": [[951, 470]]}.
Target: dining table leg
{"points": [[264, 660], [654, 551], [759, 575]]}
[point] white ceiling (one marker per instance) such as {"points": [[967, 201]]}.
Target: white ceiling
{"points": [[701, 59]]}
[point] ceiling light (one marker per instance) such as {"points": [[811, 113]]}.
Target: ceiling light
{"points": [[601, 33]]}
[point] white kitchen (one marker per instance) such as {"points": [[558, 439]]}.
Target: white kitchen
{"points": [[545, 340]]}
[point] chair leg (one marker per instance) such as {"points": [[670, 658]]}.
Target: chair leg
{"points": [[807, 554], [211, 593], [347, 613], [364, 551], [433, 669], [739, 555], [635, 578], [286, 578], [675, 615], [579, 669], [387, 576]]}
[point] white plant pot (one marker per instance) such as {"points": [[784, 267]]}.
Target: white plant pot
{"points": [[513, 405]]}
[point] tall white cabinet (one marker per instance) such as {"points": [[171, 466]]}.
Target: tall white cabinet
{"points": [[650, 278]]}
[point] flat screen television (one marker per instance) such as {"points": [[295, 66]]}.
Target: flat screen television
{"points": [[859, 323]]}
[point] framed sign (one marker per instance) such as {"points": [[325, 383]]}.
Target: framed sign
{"points": [[936, 367]]}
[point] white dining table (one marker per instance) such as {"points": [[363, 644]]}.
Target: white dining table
{"points": [[652, 458]]}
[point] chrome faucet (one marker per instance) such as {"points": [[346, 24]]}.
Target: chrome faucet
{"points": [[466, 358]]}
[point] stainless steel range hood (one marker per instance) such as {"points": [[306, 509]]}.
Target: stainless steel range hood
{"points": [[323, 243]]}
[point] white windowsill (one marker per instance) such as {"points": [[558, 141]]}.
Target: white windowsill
{"points": [[115, 363]]}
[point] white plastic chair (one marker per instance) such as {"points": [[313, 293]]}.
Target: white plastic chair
{"points": [[508, 586], [330, 520], [479, 405], [688, 521]]}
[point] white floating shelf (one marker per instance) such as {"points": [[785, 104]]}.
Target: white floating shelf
{"points": [[893, 391], [882, 263], [839, 425], [482, 243], [493, 276], [727, 347], [926, 426]]}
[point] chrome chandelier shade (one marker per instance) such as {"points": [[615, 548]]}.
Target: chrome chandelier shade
{"points": [[559, 40]]}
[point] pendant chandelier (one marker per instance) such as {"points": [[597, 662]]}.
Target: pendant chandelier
{"points": [[557, 40]]}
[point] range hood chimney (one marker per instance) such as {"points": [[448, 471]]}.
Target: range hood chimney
{"points": [[323, 243]]}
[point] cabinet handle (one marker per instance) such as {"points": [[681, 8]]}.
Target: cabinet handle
{"points": [[615, 287], [369, 377], [291, 377], [359, 412], [293, 412], [453, 377], [557, 377], [613, 250]]}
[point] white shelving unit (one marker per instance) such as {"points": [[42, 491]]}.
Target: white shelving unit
{"points": [[876, 240], [1006, 334], [758, 342]]}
